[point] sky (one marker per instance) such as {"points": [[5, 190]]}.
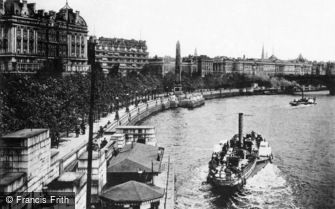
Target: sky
{"points": [[230, 28]]}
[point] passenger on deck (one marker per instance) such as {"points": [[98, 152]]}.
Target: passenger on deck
{"points": [[253, 134]]}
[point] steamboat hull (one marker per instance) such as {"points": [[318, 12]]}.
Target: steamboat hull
{"points": [[235, 183], [302, 103]]}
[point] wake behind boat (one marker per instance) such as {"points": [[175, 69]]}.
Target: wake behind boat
{"points": [[235, 160]]}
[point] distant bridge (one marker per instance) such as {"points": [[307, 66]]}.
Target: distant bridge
{"points": [[325, 80]]}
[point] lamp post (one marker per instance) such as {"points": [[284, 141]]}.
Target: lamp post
{"points": [[117, 108], [146, 95], [127, 102], [136, 102], [132, 99], [117, 103], [155, 93]]}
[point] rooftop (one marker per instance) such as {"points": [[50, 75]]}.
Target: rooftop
{"points": [[70, 176], [68, 180], [135, 127], [133, 158], [84, 156], [24, 133], [132, 191], [8, 178]]}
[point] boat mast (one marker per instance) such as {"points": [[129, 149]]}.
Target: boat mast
{"points": [[240, 128]]}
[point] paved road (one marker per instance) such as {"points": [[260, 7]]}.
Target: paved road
{"points": [[71, 143]]}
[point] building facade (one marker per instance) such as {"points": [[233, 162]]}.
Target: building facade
{"points": [[244, 66], [160, 66], [33, 40], [205, 65], [222, 65], [189, 65], [122, 55], [268, 66]]}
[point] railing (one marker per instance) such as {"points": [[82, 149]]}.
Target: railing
{"points": [[167, 183]]}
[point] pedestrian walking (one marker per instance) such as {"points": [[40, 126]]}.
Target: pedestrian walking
{"points": [[83, 127], [103, 143], [101, 131]]}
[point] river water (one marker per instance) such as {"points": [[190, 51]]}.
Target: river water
{"points": [[303, 143]]}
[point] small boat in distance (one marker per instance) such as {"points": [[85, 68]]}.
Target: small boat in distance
{"points": [[192, 100], [303, 100], [235, 160]]}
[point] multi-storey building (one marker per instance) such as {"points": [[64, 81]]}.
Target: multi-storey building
{"points": [[330, 68], [222, 65], [265, 66], [160, 66], [319, 68], [33, 40], [270, 66], [286, 68], [302, 66], [163, 65], [121, 54], [244, 66], [189, 65], [205, 65]]}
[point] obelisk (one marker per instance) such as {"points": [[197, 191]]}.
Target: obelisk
{"points": [[178, 61]]}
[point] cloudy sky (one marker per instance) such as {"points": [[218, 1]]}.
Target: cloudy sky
{"points": [[215, 27]]}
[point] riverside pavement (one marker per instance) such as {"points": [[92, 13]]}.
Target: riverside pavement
{"points": [[72, 143]]}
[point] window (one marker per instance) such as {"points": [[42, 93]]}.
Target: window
{"points": [[25, 33], [18, 33], [77, 51], [25, 46], [18, 45], [31, 35]]}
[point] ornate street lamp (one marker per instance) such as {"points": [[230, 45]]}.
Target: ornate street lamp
{"points": [[146, 95], [155, 93], [117, 109], [152, 94], [127, 102], [136, 102], [117, 103]]}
